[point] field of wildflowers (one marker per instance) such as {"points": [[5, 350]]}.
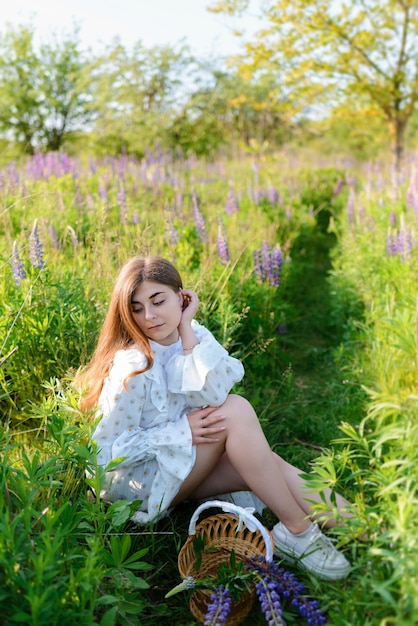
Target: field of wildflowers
{"points": [[308, 274]]}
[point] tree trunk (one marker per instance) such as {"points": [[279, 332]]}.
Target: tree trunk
{"points": [[397, 128]]}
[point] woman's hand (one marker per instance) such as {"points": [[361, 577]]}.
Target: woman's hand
{"points": [[190, 306], [204, 425]]}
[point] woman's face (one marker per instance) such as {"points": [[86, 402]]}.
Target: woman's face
{"points": [[157, 310]]}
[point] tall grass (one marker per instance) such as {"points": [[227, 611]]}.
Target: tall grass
{"points": [[327, 336]]}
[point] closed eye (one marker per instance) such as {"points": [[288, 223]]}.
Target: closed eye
{"points": [[158, 303]]}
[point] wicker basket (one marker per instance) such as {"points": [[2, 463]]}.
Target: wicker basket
{"points": [[234, 529]]}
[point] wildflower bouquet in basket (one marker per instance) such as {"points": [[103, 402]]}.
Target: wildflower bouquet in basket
{"points": [[274, 585], [227, 561]]}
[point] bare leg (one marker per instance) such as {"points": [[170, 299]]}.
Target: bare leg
{"points": [[239, 457], [254, 465], [298, 487]]}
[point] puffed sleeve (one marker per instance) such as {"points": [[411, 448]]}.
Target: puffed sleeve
{"points": [[207, 374], [120, 433]]}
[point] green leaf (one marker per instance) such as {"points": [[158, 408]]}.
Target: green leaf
{"points": [[109, 618]]}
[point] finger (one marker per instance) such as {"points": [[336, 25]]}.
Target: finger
{"points": [[212, 430], [202, 411], [211, 420], [207, 410], [208, 440]]}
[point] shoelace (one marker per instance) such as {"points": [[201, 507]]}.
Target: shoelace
{"points": [[322, 543]]}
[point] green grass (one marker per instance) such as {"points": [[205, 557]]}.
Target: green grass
{"points": [[331, 368]]}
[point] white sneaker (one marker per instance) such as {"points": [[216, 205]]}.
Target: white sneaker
{"points": [[311, 550]]}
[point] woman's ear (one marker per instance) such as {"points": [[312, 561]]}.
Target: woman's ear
{"points": [[181, 300], [185, 300]]}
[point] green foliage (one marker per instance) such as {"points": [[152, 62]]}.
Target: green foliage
{"points": [[45, 93], [52, 328], [64, 555], [359, 51], [137, 92], [330, 356]]}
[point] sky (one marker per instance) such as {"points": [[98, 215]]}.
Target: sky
{"points": [[153, 22]]}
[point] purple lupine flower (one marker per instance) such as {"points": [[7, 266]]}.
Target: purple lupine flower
{"points": [[195, 199], [172, 233], [287, 586], [179, 200], [412, 196], [281, 328], [93, 166], [361, 213], [405, 243], [103, 193], [35, 249], [222, 244], [135, 218], [391, 247], [392, 219], [232, 204], [268, 264], [219, 607], [266, 260], [122, 204], [18, 270], [79, 200], [290, 587], [66, 164], [272, 195], [89, 201], [276, 266], [198, 218], [269, 600]]}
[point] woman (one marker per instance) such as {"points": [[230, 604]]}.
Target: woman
{"points": [[161, 384]]}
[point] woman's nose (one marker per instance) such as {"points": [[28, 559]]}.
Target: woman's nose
{"points": [[149, 314]]}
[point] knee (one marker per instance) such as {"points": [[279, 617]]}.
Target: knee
{"points": [[239, 407]]}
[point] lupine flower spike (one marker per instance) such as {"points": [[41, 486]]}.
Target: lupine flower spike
{"points": [[198, 217], [268, 264], [231, 205], [222, 244], [19, 273], [287, 586], [122, 204], [269, 600], [219, 607], [35, 248]]}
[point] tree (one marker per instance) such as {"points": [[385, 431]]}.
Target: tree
{"points": [[226, 109], [44, 93], [328, 52], [138, 92]]}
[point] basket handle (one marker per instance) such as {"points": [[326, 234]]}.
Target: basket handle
{"points": [[245, 516]]}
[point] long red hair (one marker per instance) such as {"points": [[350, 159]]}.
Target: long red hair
{"points": [[119, 329]]}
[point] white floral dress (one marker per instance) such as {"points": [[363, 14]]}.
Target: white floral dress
{"points": [[146, 424]]}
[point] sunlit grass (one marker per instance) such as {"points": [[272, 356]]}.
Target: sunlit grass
{"points": [[330, 355]]}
